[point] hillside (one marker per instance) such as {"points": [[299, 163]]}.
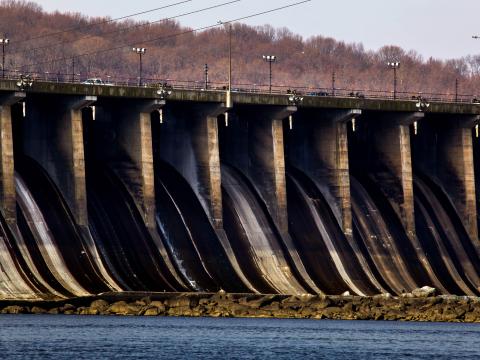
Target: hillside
{"points": [[301, 62]]}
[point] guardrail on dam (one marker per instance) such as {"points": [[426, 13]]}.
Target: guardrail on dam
{"points": [[109, 188]]}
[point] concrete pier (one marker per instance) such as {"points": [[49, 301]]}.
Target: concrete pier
{"points": [[254, 143], [124, 140], [384, 151], [188, 141], [318, 145], [7, 169], [444, 152], [53, 136]]}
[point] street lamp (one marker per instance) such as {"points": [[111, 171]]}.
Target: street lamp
{"points": [[395, 65], [4, 41], [25, 82], [140, 52], [295, 99], [422, 104], [270, 59], [164, 91]]}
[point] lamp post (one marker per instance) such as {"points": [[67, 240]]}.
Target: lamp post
{"points": [[164, 91], [295, 99], [270, 59], [4, 41], [395, 65], [456, 89], [25, 82], [206, 76], [73, 69], [333, 82], [140, 52]]}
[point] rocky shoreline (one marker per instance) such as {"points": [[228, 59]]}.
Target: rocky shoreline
{"points": [[422, 306]]}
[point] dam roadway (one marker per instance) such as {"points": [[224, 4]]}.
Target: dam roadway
{"points": [[113, 188]]}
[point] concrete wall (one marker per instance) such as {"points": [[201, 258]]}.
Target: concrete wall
{"points": [[124, 142], [383, 150], [189, 142], [53, 136], [254, 144], [444, 151], [318, 145], [7, 169]]}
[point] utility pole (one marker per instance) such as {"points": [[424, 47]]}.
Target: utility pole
{"points": [[230, 57], [4, 41], [206, 76]]}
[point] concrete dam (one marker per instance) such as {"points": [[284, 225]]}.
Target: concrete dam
{"points": [[112, 188]]}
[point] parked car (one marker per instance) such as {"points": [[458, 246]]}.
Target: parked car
{"points": [[94, 81]]}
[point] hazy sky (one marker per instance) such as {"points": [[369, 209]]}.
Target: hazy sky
{"points": [[438, 28]]}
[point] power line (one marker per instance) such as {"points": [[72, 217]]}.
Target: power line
{"points": [[132, 27], [98, 23], [172, 35]]}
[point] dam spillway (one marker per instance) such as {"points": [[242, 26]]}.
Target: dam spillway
{"points": [[111, 188]]}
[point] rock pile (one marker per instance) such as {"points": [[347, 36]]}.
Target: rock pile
{"points": [[419, 305]]}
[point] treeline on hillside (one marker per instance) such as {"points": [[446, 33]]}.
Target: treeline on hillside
{"points": [[301, 62]]}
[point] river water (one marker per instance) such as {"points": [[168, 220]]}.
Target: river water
{"points": [[81, 337]]}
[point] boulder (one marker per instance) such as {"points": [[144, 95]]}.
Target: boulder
{"points": [[14, 309], [382, 296], [178, 302], [159, 305], [67, 307], [321, 303], [145, 301], [38, 310], [100, 305], [119, 308], [239, 310], [423, 292], [255, 302], [332, 312], [88, 311], [153, 311]]}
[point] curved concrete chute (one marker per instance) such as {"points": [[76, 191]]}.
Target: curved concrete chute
{"points": [[47, 247], [14, 283], [445, 238], [73, 240], [123, 237], [381, 244], [185, 221], [263, 244], [179, 243], [343, 267]]}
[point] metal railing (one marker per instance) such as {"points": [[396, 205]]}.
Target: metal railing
{"points": [[251, 88]]}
